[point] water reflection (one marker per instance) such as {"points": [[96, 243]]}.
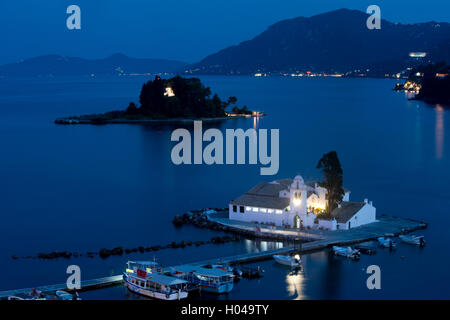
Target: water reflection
{"points": [[255, 122], [258, 246], [439, 131], [295, 281]]}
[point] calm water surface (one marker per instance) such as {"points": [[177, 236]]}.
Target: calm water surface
{"points": [[81, 188]]}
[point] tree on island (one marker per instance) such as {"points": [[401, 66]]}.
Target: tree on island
{"points": [[332, 172], [179, 97]]}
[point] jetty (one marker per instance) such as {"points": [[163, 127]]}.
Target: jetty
{"points": [[317, 240]]}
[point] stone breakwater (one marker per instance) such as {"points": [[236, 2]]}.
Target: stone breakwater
{"points": [[118, 251]]}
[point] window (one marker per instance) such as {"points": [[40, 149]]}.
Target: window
{"points": [[241, 209], [255, 209], [278, 211], [248, 209], [270, 210], [263, 210], [234, 208]]}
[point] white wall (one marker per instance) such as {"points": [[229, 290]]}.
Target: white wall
{"points": [[342, 226], [327, 224], [367, 214], [261, 217], [346, 196]]}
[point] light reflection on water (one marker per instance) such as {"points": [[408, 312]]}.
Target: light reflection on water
{"points": [[295, 283], [258, 246], [439, 131]]}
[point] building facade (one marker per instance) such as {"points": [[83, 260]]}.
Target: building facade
{"points": [[296, 204]]}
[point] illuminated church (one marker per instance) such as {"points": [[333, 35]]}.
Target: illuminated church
{"points": [[295, 204]]}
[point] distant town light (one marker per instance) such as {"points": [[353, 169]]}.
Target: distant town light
{"points": [[417, 54]]}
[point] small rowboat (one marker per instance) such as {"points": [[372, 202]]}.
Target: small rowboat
{"points": [[413, 239], [386, 242], [346, 252], [288, 260]]}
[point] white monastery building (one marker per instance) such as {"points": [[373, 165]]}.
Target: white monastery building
{"points": [[295, 204]]}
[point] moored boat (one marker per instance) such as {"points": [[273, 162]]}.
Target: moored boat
{"points": [[63, 295], [386, 242], [144, 278], [212, 280], [225, 267], [36, 294], [413, 239], [347, 252], [288, 260]]}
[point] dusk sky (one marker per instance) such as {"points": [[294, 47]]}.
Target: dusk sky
{"points": [[178, 29]]}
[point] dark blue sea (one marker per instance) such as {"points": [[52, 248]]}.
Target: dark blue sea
{"points": [[85, 187]]}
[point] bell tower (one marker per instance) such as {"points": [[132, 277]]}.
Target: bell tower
{"points": [[298, 196]]}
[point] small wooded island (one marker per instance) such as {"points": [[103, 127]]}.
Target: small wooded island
{"points": [[176, 98]]}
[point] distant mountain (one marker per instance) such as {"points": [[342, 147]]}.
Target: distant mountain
{"points": [[337, 41], [66, 66]]}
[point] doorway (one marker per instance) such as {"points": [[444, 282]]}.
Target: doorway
{"points": [[296, 222]]}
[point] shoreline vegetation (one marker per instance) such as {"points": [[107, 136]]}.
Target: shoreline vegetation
{"points": [[168, 100], [430, 83]]}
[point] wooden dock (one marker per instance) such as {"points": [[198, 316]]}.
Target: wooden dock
{"points": [[384, 225]]}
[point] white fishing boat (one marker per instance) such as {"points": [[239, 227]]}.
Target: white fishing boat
{"points": [[413, 239], [348, 252], [213, 280], [386, 242], [144, 278], [288, 260]]}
